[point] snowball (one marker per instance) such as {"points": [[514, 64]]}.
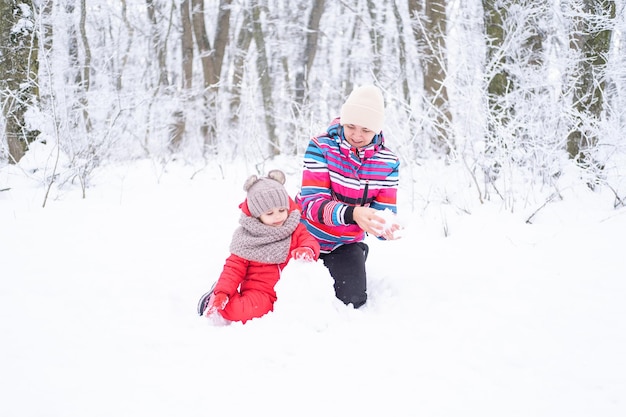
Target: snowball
{"points": [[390, 219]]}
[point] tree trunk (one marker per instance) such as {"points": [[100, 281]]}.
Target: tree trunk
{"points": [[18, 74], [202, 42], [178, 126], [222, 31], [499, 82], [211, 59], [308, 55], [429, 30], [402, 56], [46, 40], [376, 36], [157, 44], [263, 68], [187, 45], [208, 71], [592, 42], [85, 83], [129, 41], [494, 16], [72, 74], [435, 70], [244, 39]]}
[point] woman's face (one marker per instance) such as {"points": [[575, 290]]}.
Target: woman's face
{"points": [[358, 136], [275, 216]]}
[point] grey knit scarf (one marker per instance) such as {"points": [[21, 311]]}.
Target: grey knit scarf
{"points": [[260, 242]]}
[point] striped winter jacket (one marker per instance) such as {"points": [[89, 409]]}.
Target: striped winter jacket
{"points": [[336, 176]]}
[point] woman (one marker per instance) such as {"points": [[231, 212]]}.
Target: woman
{"points": [[348, 177]]}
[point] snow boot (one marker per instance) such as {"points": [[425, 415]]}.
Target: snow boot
{"points": [[204, 300]]}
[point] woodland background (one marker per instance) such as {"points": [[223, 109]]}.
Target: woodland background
{"points": [[135, 123], [501, 87]]}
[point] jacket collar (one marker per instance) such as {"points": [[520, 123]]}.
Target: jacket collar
{"points": [[335, 131]]}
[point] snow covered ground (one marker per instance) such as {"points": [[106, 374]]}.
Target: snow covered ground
{"points": [[498, 318]]}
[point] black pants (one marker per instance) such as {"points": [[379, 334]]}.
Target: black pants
{"points": [[347, 267]]}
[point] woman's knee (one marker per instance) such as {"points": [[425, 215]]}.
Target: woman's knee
{"points": [[346, 265]]}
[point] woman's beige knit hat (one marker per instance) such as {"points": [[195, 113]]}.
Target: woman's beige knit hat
{"points": [[266, 193], [364, 107]]}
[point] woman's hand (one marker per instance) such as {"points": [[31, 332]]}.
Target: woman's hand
{"points": [[371, 222], [389, 232]]}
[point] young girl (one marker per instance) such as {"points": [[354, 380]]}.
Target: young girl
{"points": [[270, 233]]}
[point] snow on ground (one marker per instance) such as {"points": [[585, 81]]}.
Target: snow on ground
{"points": [[498, 318]]}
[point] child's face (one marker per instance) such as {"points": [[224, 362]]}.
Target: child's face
{"points": [[275, 217]]}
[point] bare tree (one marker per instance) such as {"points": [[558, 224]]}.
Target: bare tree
{"points": [[376, 35], [308, 54], [402, 52], [591, 38], [522, 118], [499, 81], [177, 128], [117, 82], [85, 82], [263, 69], [211, 58], [187, 44], [157, 44], [160, 24], [18, 73], [244, 39], [46, 31], [72, 76], [429, 29]]}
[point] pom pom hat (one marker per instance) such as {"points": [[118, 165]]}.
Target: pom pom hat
{"points": [[364, 107], [266, 193]]}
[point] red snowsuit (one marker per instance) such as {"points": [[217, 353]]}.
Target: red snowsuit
{"points": [[250, 284]]}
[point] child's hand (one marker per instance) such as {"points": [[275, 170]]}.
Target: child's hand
{"points": [[217, 302], [303, 254]]}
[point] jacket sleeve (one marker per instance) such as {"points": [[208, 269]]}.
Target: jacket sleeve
{"points": [[234, 272], [302, 237], [387, 196], [315, 195]]}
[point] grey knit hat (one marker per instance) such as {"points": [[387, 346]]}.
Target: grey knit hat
{"points": [[266, 193]]}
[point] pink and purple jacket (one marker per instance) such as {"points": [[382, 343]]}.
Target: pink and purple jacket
{"points": [[337, 177]]}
